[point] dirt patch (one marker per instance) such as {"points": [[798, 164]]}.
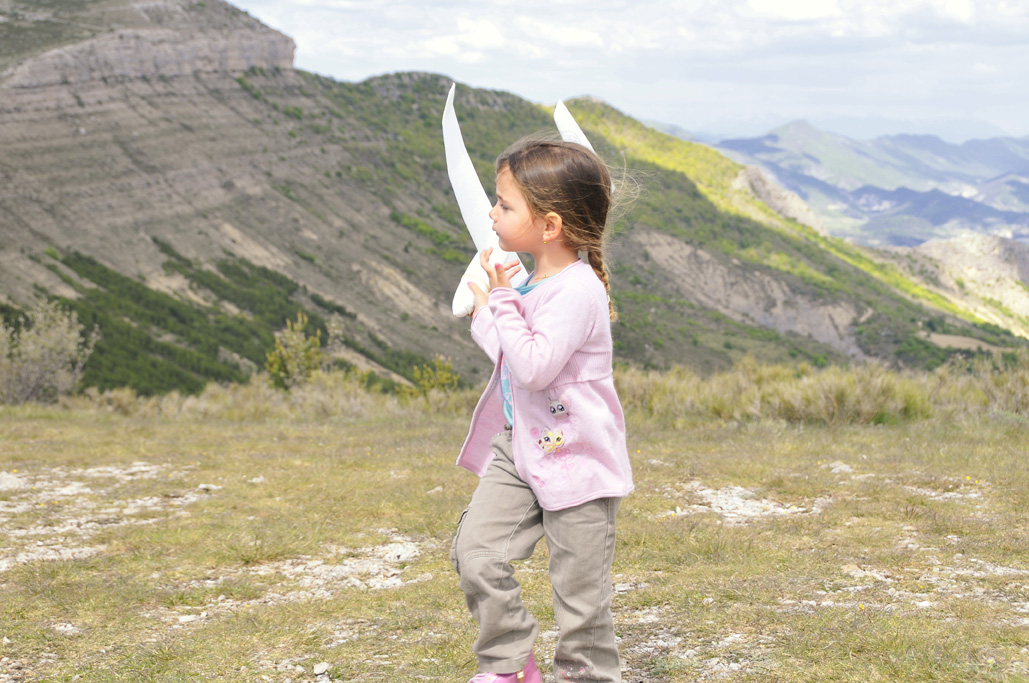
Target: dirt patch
{"points": [[734, 504], [52, 515], [306, 578], [954, 341]]}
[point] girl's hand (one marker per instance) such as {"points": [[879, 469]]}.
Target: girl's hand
{"points": [[481, 297], [500, 274]]}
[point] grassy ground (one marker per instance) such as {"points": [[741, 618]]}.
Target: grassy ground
{"points": [[180, 541]]}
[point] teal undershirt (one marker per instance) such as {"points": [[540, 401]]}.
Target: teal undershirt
{"points": [[505, 379]]}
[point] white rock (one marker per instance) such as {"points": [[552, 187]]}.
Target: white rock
{"points": [[321, 668], [10, 482]]}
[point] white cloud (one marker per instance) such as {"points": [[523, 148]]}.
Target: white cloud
{"points": [[792, 10], [565, 35], [481, 34], [961, 10], [688, 61], [444, 45]]}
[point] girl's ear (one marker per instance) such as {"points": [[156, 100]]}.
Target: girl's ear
{"points": [[552, 227]]}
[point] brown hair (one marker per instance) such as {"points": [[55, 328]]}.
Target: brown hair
{"points": [[573, 182]]}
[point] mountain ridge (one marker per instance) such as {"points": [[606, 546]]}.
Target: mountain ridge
{"points": [[853, 185], [190, 210]]}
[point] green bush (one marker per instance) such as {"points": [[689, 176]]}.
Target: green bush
{"points": [[439, 376], [42, 357], [295, 356]]}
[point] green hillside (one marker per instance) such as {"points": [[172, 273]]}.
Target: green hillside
{"points": [[221, 204], [717, 216]]}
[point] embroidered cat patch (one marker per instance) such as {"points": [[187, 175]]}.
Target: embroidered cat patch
{"points": [[551, 441]]}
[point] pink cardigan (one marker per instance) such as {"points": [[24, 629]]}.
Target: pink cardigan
{"points": [[569, 430]]}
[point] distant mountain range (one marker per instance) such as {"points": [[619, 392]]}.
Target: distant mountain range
{"points": [[168, 174], [899, 189]]}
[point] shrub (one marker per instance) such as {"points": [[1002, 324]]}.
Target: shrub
{"points": [[439, 376], [866, 393], [295, 356], [41, 357]]}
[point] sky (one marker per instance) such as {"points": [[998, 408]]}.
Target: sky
{"points": [[955, 68]]}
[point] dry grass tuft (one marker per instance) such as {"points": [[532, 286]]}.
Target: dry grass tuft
{"points": [[868, 393]]}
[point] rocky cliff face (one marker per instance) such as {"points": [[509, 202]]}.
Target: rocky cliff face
{"points": [[751, 297], [99, 137], [113, 38], [151, 53], [159, 39], [989, 273], [785, 203]]}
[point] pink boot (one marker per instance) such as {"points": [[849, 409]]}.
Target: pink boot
{"points": [[530, 674]]}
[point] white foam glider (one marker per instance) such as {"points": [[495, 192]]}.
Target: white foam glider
{"points": [[475, 205]]}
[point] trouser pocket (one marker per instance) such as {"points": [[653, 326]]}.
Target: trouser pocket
{"points": [[453, 544]]}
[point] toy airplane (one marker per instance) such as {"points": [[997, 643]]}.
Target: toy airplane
{"points": [[475, 205]]}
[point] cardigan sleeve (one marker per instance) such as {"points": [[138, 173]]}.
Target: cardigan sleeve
{"points": [[536, 355], [484, 333]]}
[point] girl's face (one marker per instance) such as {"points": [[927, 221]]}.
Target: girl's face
{"points": [[512, 220]]}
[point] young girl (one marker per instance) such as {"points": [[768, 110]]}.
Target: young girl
{"points": [[548, 435]]}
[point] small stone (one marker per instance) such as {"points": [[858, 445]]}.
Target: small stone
{"points": [[321, 668], [10, 482], [209, 487]]}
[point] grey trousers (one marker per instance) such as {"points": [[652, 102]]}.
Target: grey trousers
{"points": [[503, 523]]}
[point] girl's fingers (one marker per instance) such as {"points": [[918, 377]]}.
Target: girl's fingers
{"points": [[487, 266], [499, 274], [484, 258], [481, 298], [505, 272]]}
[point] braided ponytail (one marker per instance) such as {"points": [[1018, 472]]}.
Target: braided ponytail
{"points": [[596, 260]]}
